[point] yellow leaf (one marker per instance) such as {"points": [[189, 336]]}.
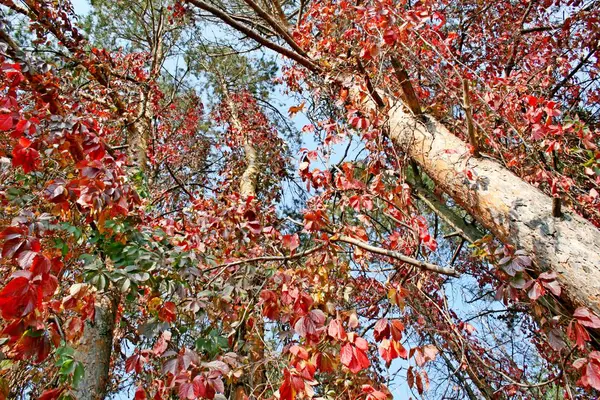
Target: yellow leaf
{"points": [[296, 109]]}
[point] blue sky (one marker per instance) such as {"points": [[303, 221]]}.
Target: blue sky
{"points": [[82, 7]]}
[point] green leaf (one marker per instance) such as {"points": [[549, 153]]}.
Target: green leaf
{"points": [[67, 367], [78, 374], [64, 351], [125, 286], [5, 364]]}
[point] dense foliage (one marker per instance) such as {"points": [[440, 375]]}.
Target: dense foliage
{"points": [[149, 187]]}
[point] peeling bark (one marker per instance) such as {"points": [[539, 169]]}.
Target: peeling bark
{"points": [[250, 175], [137, 151], [512, 209], [94, 351], [249, 178]]}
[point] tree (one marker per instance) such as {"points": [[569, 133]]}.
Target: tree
{"points": [[145, 249]]}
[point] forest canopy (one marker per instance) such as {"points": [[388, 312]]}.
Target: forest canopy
{"points": [[298, 199]]}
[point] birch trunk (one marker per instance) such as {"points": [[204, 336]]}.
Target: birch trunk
{"points": [[512, 209]]}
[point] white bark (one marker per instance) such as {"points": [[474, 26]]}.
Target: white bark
{"points": [[514, 210]]}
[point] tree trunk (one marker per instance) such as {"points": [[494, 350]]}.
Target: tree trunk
{"points": [[512, 209], [94, 351], [252, 385], [137, 151]]}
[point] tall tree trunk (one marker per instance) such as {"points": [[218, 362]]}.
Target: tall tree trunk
{"points": [[515, 211], [250, 175], [139, 136], [254, 382], [137, 150], [249, 178], [94, 351], [95, 347]]}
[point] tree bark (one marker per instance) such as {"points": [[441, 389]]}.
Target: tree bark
{"points": [[94, 351], [251, 385], [249, 178], [512, 209], [140, 134]]}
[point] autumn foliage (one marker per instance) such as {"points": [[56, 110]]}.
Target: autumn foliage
{"points": [[121, 187]]}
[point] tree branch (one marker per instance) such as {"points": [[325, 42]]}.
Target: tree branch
{"points": [[410, 97], [223, 16], [396, 255]]}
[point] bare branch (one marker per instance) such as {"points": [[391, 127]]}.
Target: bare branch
{"points": [[394, 254], [223, 16]]}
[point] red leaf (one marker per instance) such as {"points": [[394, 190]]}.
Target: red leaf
{"points": [[552, 286], [346, 354], [373, 394], [202, 388], [25, 156], [135, 362], [162, 343], [299, 352], [25, 126], [396, 327], [354, 358], [140, 394], [390, 350], [592, 373], [548, 276], [578, 333], [419, 383], [580, 362], [286, 391], [359, 122], [291, 242], [19, 298], [586, 318], [52, 394], [293, 110], [536, 291], [381, 330], [362, 361], [17, 240], [168, 312], [35, 346], [430, 352], [310, 325], [186, 391], [49, 283], [6, 122], [336, 330], [532, 101], [25, 258], [270, 304], [390, 37], [555, 339], [361, 343], [13, 74]]}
